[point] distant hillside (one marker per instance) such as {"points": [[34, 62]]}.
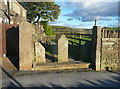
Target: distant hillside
{"points": [[111, 28], [63, 29]]}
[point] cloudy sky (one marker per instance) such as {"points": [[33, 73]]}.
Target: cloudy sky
{"points": [[83, 14]]}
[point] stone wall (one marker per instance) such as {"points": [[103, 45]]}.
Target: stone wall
{"points": [[110, 54], [1, 42], [0, 31], [26, 46], [110, 50], [105, 53]]}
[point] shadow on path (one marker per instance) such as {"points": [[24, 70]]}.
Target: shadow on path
{"points": [[111, 83], [16, 84]]}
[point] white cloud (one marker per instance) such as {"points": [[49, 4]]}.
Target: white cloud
{"points": [[92, 10], [86, 0]]}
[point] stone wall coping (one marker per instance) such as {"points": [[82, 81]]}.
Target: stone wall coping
{"points": [[108, 43], [110, 38]]}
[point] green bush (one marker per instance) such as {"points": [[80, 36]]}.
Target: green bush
{"points": [[45, 24], [49, 31]]}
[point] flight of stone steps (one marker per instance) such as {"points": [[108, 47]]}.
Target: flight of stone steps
{"points": [[50, 65]]}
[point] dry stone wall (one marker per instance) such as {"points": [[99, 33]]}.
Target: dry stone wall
{"points": [[105, 54], [110, 54]]}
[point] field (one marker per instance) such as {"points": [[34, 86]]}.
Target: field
{"points": [[83, 40], [112, 28]]}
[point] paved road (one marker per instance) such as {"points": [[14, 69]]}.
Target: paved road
{"points": [[64, 79]]}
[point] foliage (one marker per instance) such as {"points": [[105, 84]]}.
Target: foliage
{"points": [[48, 29], [45, 24], [47, 11]]}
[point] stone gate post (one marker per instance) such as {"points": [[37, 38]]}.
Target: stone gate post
{"points": [[96, 47], [40, 53], [26, 46], [63, 49]]}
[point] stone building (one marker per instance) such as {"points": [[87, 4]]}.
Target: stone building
{"points": [[14, 9]]}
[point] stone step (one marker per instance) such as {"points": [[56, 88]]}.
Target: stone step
{"points": [[61, 66]]}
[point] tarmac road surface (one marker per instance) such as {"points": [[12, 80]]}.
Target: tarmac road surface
{"points": [[61, 79]]}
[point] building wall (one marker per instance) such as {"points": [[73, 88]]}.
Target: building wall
{"points": [[18, 12], [17, 8], [4, 29]]}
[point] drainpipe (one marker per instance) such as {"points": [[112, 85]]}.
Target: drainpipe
{"points": [[8, 4]]}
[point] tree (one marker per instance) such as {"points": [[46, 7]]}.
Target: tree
{"points": [[38, 11]]}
